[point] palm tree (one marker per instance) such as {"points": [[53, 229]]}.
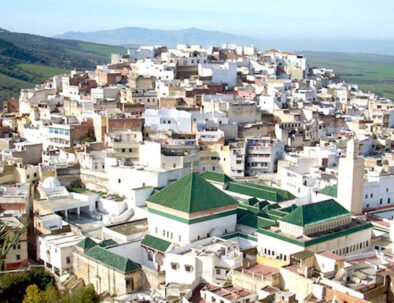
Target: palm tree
{"points": [[6, 242]]}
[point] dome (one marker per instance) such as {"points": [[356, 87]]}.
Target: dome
{"points": [[51, 182]]}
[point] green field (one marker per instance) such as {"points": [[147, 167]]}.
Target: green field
{"points": [[10, 87], [373, 73]]}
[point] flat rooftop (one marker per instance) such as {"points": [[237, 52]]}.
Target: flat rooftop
{"points": [[131, 227], [63, 240], [231, 293], [354, 226], [261, 270], [62, 203]]}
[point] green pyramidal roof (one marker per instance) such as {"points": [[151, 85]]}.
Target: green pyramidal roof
{"points": [[330, 191], [216, 177], [191, 194], [315, 213]]}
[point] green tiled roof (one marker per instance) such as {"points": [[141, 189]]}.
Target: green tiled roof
{"points": [[274, 212], [155, 243], [106, 243], [216, 177], [252, 201], [239, 235], [330, 190], [260, 191], [112, 260], [86, 244], [315, 213], [254, 221], [192, 194]]}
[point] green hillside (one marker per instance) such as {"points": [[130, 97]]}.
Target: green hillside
{"points": [[26, 60], [373, 73]]}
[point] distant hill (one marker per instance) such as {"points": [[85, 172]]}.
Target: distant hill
{"points": [[27, 59], [145, 36], [139, 35]]}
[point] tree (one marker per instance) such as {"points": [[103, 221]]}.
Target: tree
{"points": [[13, 285], [52, 295], [83, 295], [33, 295], [7, 241]]}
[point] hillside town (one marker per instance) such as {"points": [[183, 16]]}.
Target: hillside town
{"points": [[202, 174]]}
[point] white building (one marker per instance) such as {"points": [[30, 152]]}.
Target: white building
{"points": [[210, 260], [186, 211], [168, 119], [56, 251], [321, 226], [351, 179], [262, 155], [220, 73], [141, 53]]}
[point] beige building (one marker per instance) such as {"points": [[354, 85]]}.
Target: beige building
{"points": [[17, 256], [105, 270]]}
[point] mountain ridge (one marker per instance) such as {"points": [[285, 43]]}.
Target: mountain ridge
{"points": [[142, 35], [145, 36]]}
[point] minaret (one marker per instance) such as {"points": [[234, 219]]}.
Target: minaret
{"points": [[351, 179]]}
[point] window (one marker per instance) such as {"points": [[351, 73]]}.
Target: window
{"points": [[388, 200], [174, 266], [119, 181], [130, 284], [150, 256], [18, 257], [381, 201], [218, 271], [156, 229], [35, 174], [188, 268], [68, 260]]}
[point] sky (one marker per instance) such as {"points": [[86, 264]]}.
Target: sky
{"points": [[270, 19]]}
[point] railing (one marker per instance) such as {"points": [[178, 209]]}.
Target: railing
{"points": [[21, 269]]}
